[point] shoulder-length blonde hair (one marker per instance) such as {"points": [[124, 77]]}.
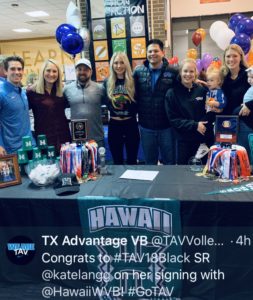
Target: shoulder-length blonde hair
{"points": [[39, 86], [129, 81], [238, 49]]}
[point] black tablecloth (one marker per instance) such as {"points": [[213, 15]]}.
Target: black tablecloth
{"points": [[195, 203]]}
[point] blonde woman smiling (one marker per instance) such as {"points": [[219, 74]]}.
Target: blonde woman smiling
{"points": [[185, 107], [123, 128], [48, 105]]}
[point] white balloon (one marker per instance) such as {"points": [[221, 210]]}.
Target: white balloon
{"points": [[223, 38], [85, 34], [215, 28], [75, 21], [73, 15]]}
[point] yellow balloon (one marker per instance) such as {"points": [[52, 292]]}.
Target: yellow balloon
{"points": [[192, 53], [202, 32], [250, 58]]}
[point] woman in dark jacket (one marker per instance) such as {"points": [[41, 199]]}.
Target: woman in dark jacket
{"points": [[185, 107], [234, 87]]}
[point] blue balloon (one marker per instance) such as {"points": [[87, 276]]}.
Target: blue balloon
{"points": [[243, 40], [62, 30], [72, 43], [234, 20], [245, 26]]}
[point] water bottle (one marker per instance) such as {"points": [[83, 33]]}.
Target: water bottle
{"points": [[102, 166]]}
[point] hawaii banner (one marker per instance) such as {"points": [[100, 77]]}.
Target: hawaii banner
{"points": [[134, 246], [116, 26]]}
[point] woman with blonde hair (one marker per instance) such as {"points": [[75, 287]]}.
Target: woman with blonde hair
{"points": [[185, 108], [234, 87], [48, 105], [123, 127]]}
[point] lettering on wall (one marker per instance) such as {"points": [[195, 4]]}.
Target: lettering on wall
{"points": [[35, 52]]}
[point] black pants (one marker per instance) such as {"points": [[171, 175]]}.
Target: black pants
{"points": [[185, 150], [120, 134], [208, 138]]}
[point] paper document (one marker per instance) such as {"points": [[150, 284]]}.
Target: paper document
{"points": [[139, 175]]}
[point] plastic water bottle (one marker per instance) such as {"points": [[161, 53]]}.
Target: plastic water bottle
{"points": [[102, 166]]}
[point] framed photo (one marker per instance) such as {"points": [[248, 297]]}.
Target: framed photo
{"points": [[79, 130], [9, 170], [226, 129]]}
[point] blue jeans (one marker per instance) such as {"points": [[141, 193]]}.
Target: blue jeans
{"points": [[243, 133], [158, 145]]}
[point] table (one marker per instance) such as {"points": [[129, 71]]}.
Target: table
{"points": [[196, 210]]}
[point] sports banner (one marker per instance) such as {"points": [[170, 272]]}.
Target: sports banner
{"points": [[134, 251], [116, 26]]}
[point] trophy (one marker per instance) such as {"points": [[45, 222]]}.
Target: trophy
{"points": [[102, 167], [79, 130], [226, 130]]}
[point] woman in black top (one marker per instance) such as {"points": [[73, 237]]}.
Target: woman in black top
{"points": [[234, 87], [185, 107], [123, 127]]}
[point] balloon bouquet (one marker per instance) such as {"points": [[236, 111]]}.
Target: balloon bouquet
{"points": [[197, 37], [72, 38], [202, 64], [239, 30]]}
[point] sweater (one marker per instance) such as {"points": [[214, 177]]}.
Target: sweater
{"points": [[185, 108], [123, 106], [14, 117], [234, 90], [85, 103], [49, 117]]}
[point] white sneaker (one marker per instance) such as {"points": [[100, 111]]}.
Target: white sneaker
{"points": [[202, 151]]}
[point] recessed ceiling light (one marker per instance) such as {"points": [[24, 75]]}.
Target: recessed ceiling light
{"points": [[37, 13], [22, 30]]}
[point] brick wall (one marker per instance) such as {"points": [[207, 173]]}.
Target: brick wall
{"points": [[158, 18], [158, 21]]}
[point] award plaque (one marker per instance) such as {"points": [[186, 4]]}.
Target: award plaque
{"points": [[79, 130], [226, 129]]}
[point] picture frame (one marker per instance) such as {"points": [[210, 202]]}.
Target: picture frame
{"points": [[79, 130], [9, 170], [226, 129]]}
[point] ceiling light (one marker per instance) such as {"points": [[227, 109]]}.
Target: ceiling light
{"points": [[22, 30], [37, 13]]}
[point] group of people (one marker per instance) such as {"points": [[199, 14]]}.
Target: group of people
{"points": [[170, 111]]}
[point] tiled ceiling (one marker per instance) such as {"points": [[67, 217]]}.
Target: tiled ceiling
{"points": [[13, 17]]}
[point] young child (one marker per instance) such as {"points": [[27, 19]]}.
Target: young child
{"points": [[249, 94], [215, 102]]}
